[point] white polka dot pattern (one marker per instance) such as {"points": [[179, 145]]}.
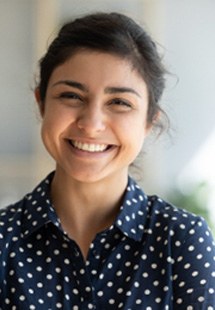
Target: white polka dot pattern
{"points": [[155, 256]]}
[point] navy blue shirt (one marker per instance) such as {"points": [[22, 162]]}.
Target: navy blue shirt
{"points": [[154, 256]]}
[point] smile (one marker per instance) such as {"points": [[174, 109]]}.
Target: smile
{"points": [[89, 147]]}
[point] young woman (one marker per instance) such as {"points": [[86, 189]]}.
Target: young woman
{"points": [[88, 237]]}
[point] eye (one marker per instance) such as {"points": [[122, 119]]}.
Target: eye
{"points": [[70, 99], [121, 104], [69, 95]]}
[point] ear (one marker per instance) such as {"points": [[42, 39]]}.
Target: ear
{"points": [[152, 124], [38, 100], [156, 117]]}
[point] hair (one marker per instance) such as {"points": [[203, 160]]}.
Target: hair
{"points": [[112, 33]]}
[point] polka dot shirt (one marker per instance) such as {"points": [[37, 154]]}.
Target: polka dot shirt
{"points": [[154, 256]]}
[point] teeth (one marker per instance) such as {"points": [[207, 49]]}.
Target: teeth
{"points": [[89, 147]]}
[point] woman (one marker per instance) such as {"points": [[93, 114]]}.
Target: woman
{"points": [[88, 237]]}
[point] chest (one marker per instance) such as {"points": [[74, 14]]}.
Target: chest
{"points": [[50, 273]]}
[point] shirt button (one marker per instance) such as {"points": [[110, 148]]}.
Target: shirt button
{"points": [[77, 253]]}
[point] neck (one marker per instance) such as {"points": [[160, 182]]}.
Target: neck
{"points": [[100, 196], [87, 208]]}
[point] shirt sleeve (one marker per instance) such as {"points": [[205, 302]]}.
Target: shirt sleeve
{"points": [[194, 270]]}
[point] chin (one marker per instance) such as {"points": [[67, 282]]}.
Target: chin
{"points": [[82, 176], [87, 179]]}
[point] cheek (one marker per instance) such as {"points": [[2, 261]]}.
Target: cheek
{"points": [[54, 121], [136, 128], [133, 133], [50, 136], [45, 133], [49, 128]]}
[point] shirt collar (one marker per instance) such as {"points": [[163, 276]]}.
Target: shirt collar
{"points": [[38, 210], [133, 216]]}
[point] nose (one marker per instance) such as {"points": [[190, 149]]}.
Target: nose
{"points": [[91, 120]]}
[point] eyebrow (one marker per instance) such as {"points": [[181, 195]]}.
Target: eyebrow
{"points": [[72, 84], [108, 90], [113, 90]]}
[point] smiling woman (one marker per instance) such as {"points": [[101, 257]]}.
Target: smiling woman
{"points": [[88, 237], [94, 109]]}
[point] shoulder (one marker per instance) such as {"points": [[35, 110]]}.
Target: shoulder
{"points": [[11, 212], [190, 249], [174, 216], [169, 214], [174, 221], [11, 219], [14, 215], [11, 227], [183, 233], [161, 218]]}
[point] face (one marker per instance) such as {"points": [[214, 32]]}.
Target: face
{"points": [[95, 116]]}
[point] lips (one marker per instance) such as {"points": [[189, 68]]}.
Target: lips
{"points": [[89, 147]]}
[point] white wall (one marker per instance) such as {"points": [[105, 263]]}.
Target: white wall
{"points": [[185, 30], [15, 54], [190, 43], [16, 108]]}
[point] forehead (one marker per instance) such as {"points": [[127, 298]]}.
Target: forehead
{"points": [[102, 67]]}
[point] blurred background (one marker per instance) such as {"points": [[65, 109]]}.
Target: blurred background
{"points": [[180, 166]]}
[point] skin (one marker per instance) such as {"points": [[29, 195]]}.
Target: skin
{"points": [[96, 101]]}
